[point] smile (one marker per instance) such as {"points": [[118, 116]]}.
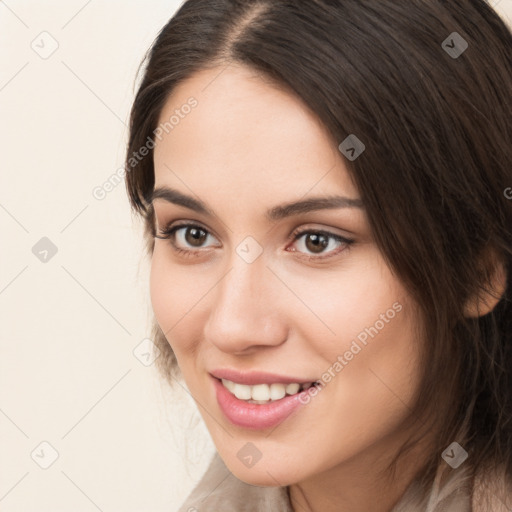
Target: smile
{"points": [[264, 393], [258, 400]]}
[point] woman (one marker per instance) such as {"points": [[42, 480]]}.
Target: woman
{"points": [[323, 185]]}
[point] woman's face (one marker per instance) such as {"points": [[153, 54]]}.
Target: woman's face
{"points": [[270, 294]]}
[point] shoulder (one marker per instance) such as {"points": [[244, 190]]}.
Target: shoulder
{"points": [[449, 492], [465, 489], [219, 489], [492, 490]]}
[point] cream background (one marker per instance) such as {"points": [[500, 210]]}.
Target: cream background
{"points": [[68, 375]]}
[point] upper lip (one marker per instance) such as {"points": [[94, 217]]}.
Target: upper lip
{"points": [[256, 377]]}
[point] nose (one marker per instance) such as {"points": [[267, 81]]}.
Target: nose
{"points": [[246, 309]]}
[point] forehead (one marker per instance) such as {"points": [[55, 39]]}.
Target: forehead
{"points": [[245, 134]]}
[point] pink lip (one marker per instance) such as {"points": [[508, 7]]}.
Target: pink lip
{"points": [[255, 416], [252, 378]]}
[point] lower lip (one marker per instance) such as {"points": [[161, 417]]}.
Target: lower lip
{"points": [[255, 416]]}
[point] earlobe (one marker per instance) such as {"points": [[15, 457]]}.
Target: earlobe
{"points": [[487, 298]]}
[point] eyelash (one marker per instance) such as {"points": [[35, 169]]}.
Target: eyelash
{"points": [[168, 234]]}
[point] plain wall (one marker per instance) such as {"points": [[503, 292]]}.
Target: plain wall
{"points": [[70, 321]]}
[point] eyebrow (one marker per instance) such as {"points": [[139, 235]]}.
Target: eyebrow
{"points": [[276, 213]]}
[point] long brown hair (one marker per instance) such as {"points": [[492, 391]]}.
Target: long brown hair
{"points": [[427, 86]]}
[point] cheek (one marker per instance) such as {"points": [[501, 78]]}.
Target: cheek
{"points": [[355, 303], [180, 301], [172, 297], [378, 365], [160, 290], [371, 345]]}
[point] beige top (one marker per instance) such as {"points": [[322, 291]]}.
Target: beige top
{"points": [[220, 491]]}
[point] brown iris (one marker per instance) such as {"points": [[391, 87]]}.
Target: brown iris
{"points": [[316, 242], [195, 236]]}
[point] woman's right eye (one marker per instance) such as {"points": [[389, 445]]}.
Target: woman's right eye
{"points": [[185, 237]]}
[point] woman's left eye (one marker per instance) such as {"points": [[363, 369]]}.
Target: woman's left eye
{"points": [[317, 241], [185, 237]]}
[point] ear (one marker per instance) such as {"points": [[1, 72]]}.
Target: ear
{"points": [[495, 282]]}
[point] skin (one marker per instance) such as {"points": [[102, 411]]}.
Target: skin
{"points": [[247, 147]]}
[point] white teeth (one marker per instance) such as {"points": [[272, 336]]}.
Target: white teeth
{"points": [[291, 389], [262, 393], [242, 392], [277, 391], [229, 384]]}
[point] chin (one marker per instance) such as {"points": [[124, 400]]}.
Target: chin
{"points": [[261, 478], [263, 473]]}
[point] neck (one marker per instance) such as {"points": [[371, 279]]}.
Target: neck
{"points": [[360, 484]]}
